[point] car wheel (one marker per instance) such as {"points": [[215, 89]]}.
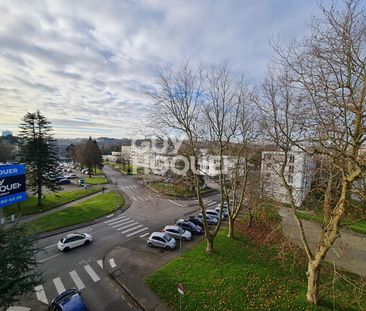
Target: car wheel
{"points": [[86, 242], [184, 239], [66, 249], [150, 245], [167, 247]]}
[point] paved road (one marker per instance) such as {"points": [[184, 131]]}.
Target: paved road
{"points": [[85, 267]]}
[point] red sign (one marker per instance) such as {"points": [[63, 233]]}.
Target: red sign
{"points": [[181, 289]]}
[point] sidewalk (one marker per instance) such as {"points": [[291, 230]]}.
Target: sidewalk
{"points": [[348, 251]]}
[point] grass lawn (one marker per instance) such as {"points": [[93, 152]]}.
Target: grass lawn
{"points": [[242, 275], [96, 179], [359, 226], [93, 208], [175, 189], [50, 201]]}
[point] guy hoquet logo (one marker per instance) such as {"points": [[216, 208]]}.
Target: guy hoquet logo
{"points": [[11, 185]]}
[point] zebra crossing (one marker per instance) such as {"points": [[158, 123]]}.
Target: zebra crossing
{"points": [[209, 203], [79, 278], [127, 226], [129, 187]]}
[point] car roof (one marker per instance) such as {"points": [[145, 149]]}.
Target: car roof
{"points": [[71, 301], [159, 234], [72, 234], [171, 227]]}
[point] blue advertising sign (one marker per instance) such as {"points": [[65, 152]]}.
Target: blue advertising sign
{"points": [[12, 184]]}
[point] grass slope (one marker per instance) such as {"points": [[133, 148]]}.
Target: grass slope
{"points": [[98, 206], [241, 275], [50, 201], [96, 180]]}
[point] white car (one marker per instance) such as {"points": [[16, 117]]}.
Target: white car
{"points": [[177, 232], [73, 240], [161, 239]]}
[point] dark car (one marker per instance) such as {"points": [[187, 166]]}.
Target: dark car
{"points": [[189, 226], [195, 220], [64, 181], [69, 300]]}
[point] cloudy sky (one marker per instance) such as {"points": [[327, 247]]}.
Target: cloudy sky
{"points": [[84, 63]]}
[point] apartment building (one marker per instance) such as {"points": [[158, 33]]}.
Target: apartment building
{"points": [[299, 172]]}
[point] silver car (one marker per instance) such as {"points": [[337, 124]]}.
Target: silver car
{"points": [[161, 239], [177, 232]]}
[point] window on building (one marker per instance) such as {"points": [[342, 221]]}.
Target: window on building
{"points": [[268, 174], [291, 159], [269, 165], [290, 178], [291, 169]]}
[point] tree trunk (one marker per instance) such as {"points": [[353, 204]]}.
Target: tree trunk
{"points": [[39, 196], [313, 276], [209, 247], [231, 228]]}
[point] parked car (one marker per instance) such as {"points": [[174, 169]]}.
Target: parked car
{"points": [[63, 181], [189, 226], [177, 232], [195, 220], [210, 219], [71, 176], [73, 240], [69, 300], [224, 211], [215, 214], [161, 239]]}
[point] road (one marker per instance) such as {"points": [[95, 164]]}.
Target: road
{"points": [[84, 268]]}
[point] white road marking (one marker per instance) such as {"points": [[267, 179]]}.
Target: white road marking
{"points": [[124, 227], [17, 308], [78, 282], [134, 198], [175, 203], [211, 203], [128, 230], [136, 232], [59, 286], [50, 246], [111, 220], [100, 263], [41, 295], [109, 216], [140, 198], [125, 223], [150, 197], [145, 234], [112, 263], [48, 258], [118, 221], [91, 273]]}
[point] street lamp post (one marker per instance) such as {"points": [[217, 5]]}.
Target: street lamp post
{"points": [[180, 241], [115, 198]]}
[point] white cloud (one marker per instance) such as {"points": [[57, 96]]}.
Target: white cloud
{"points": [[77, 60]]}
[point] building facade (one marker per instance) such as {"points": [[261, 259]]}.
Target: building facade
{"points": [[299, 172]]}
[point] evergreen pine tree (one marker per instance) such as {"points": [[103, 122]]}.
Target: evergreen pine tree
{"points": [[37, 151]]}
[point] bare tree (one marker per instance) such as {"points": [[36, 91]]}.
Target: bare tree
{"points": [[177, 110], [324, 88], [230, 128]]}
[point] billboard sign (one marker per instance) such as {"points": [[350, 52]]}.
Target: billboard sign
{"points": [[12, 184]]}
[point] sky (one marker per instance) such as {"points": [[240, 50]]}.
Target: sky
{"points": [[85, 64]]}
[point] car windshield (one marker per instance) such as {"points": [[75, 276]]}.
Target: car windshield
{"points": [[167, 237]]}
